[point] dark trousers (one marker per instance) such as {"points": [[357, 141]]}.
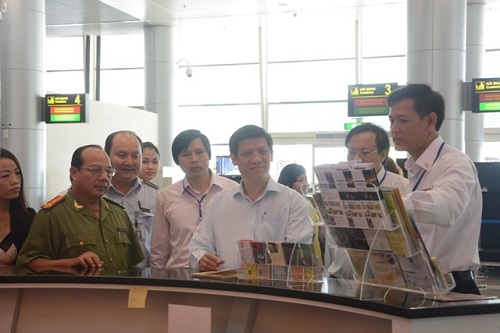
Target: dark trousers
{"points": [[464, 283]]}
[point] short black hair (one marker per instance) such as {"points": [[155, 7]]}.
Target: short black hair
{"points": [[289, 174], [381, 137], [150, 145], [425, 99], [248, 132], [77, 160], [184, 139], [109, 140]]}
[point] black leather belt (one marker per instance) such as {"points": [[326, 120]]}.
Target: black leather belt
{"points": [[463, 275]]}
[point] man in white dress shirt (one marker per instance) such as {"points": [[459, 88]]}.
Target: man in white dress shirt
{"points": [[370, 144], [446, 199], [258, 209]]}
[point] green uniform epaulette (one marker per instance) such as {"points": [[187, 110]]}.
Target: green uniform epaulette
{"points": [[113, 202], [153, 185], [51, 203]]}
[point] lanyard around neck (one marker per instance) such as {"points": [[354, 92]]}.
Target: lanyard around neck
{"points": [[195, 198], [423, 173], [383, 177]]}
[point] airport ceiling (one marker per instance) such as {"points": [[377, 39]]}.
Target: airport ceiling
{"points": [[105, 17]]}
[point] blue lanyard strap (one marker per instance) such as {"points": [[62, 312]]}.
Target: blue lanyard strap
{"points": [[423, 173], [383, 178]]}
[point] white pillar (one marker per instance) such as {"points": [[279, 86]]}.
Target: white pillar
{"points": [[474, 122], [159, 70], [436, 55], [22, 38]]}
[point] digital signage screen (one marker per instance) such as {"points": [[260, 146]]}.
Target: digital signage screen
{"points": [[369, 99], [65, 108], [486, 95], [224, 166]]}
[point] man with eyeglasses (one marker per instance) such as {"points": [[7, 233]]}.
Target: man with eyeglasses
{"points": [[81, 229], [370, 144], [136, 195]]}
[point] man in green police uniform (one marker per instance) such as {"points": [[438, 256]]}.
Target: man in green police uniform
{"points": [[81, 228]]}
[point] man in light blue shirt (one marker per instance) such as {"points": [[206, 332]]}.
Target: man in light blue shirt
{"points": [[137, 196], [259, 209]]}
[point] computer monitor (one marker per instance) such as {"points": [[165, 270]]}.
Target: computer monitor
{"points": [[224, 166]]}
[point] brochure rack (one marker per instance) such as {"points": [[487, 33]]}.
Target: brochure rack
{"points": [[382, 243], [281, 261]]}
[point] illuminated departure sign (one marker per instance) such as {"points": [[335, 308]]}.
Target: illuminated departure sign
{"points": [[486, 95], [369, 99], [65, 108]]}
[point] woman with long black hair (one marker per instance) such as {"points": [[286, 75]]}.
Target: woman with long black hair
{"points": [[15, 215]]}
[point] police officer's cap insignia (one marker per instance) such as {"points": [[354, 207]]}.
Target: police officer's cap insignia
{"points": [[153, 185], [51, 203]]}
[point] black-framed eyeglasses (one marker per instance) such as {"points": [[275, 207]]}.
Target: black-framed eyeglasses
{"points": [[96, 170]]}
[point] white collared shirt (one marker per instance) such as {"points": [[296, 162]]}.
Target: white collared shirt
{"points": [[446, 205], [390, 179], [280, 214]]}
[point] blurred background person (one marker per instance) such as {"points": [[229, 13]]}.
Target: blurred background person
{"points": [[294, 176], [150, 161], [15, 215], [391, 166]]}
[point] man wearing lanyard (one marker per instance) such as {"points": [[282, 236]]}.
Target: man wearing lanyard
{"points": [[180, 206], [446, 200], [370, 144]]}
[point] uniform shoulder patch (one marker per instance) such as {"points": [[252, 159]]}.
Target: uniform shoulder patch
{"points": [[147, 182], [51, 203]]}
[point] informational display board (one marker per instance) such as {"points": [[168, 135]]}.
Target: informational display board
{"points": [[65, 108], [369, 99], [486, 95]]}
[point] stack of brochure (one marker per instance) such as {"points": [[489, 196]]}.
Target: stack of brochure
{"points": [[279, 261], [383, 244]]}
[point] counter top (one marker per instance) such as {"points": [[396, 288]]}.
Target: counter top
{"points": [[394, 302]]}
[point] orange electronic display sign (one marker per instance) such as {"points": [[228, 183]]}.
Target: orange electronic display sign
{"points": [[65, 108], [369, 99]]}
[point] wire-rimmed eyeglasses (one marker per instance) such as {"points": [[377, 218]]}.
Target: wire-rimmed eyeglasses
{"points": [[97, 170], [361, 153]]}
